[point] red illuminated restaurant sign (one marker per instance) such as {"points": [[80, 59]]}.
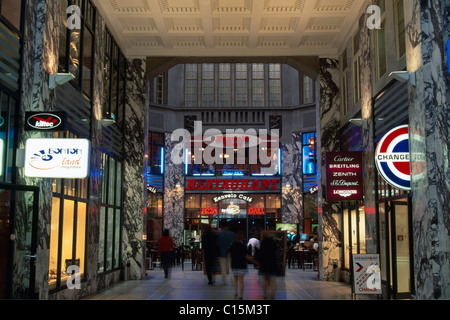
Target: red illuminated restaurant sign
{"points": [[209, 211], [344, 176], [232, 184]]}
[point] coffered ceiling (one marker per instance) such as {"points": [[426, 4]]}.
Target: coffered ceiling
{"points": [[230, 27]]}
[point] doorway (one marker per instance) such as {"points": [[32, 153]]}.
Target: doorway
{"points": [[396, 243], [18, 224]]}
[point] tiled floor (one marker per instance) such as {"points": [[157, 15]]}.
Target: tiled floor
{"points": [[192, 285]]}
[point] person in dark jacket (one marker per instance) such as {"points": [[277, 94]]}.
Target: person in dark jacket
{"points": [[268, 266], [166, 244], [210, 251]]}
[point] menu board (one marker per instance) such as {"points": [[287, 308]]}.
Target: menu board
{"points": [[280, 238]]}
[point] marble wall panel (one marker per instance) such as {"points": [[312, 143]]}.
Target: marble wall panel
{"points": [[328, 115], [427, 30], [292, 197]]}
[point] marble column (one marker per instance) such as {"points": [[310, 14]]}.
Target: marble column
{"points": [[292, 197], [133, 244], [173, 215], [367, 138], [328, 128], [35, 96], [427, 32]]}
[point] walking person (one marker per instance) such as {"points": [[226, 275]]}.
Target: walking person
{"points": [[225, 238], [268, 266], [166, 244], [210, 251], [239, 257]]}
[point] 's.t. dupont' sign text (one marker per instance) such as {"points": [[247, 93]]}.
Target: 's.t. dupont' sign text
{"points": [[344, 176]]}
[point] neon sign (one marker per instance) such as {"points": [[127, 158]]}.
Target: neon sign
{"points": [[232, 184], [255, 211], [209, 211]]}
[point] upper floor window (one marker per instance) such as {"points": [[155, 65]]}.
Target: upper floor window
{"points": [[308, 89], [380, 42], [156, 152], [356, 62], [274, 85], [241, 85], [224, 85], [258, 84], [76, 45], [400, 28], [11, 11], [190, 85], [207, 84]]}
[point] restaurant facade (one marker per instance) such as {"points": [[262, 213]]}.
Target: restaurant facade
{"points": [[150, 142]]}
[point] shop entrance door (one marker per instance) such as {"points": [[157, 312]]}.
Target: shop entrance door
{"points": [[18, 223], [396, 247]]}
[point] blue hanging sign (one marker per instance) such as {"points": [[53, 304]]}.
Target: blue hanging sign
{"points": [[448, 54]]}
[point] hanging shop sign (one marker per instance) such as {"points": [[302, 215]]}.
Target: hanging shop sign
{"points": [[344, 175], [57, 158], [233, 184], [232, 196], [151, 189], [47, 121], [366, 274], [392, 158]]}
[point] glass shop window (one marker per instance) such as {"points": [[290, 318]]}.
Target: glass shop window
{"points": [[67, 227], [156, 153], [110, 214], [76, 46]]}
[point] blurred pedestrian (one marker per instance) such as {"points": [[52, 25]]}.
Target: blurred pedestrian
{"points": [[239, 258], [166, 244], [225, 238], [210, 251], [268, 266]]}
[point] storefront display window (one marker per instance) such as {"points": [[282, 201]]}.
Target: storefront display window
{"points": [[250, 212], [354, 232], [154, 215], [67, 227], [110, 214]]}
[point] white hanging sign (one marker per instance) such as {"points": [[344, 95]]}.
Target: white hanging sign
{"points": [[57, 158]]}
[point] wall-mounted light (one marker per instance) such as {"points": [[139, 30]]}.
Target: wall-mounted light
{"points": [[178, 185], [404, 76], [59, 79]]}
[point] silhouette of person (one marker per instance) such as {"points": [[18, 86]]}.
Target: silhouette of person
{"points": [[210, 251], [165, 251]]}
